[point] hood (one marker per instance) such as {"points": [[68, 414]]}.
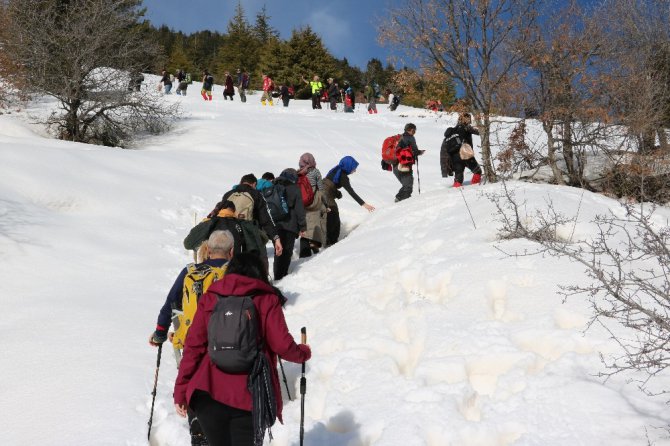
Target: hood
{"points": [[290, 175], [262, 183], [236, 285]]}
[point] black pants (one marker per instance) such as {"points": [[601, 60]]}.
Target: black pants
{"points": [[316, 101], [332, 226], [459, 166], [283, 261], [306, 249], [407, 183], [285, 100], [333, 104], [223, 425]]}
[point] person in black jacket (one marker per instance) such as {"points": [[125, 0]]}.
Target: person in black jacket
{"points": [[403, 171], [337, 178], [291, 227], [259, 213], [454, 138], [333, 93]]}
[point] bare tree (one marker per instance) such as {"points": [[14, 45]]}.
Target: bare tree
{"points": [[468, 39], [83, 53]]}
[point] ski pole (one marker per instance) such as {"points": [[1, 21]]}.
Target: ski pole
{"points": [[153, 399], [468, 207], [303, 389], [418, 175], [281, 366]]}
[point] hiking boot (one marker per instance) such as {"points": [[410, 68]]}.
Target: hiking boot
{"points": [[263, 102], [457, 184], [476, 178], [271, 103]]}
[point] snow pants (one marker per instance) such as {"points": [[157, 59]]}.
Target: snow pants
{"points": [[316, 101], [282, 262], [406, 183], [459, 166], [333, 226], [223, 425]]}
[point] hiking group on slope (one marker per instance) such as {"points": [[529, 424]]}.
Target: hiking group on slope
{"points": [[229, 388]]}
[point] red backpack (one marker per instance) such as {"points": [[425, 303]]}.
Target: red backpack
{"points": [[305, 190], [389, 149]]}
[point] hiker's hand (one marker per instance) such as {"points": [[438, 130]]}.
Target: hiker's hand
{"points": [[157, 338], [369, 207], [181, 410], [278, 247], [421, 152]]}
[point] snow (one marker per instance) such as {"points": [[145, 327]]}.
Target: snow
{"points": [[423, 332]]}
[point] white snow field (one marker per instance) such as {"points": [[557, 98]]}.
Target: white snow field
{"points": [[423, 332]]}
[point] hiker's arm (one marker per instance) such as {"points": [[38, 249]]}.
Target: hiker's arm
{"points": [[194, 351], [165, 315], [278, 337], [263, 215], [299, 208], [346, 184], [472, 130]]}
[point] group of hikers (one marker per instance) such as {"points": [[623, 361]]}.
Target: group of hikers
{"points": [[330, 92], [228, 384]]}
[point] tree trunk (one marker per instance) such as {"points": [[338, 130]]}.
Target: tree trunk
{"points": [[487, 161], [568, 153], [663, 139], [551, 149]]}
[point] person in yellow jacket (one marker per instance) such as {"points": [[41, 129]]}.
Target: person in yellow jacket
{"points": [[317, 88]]}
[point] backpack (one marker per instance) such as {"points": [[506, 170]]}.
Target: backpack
{"points": [[188, 78], [233, 334], [389, 147], [453, 142], [376, 90], [275, 197], [196, 282], [244, 205], [305, 190]]}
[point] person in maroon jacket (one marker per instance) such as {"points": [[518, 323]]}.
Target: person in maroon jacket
{"points": [[220, 400]]}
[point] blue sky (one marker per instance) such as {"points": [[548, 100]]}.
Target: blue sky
{"points": [[348, 27]]}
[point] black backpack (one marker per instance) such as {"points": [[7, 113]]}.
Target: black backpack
{"points": [[233, 334], [275, 197], [453, 142]]}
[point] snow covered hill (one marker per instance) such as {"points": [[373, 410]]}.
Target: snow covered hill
{"points": [[423, 332]]}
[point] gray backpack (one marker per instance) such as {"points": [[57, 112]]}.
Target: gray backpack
{"points": [[233, 334]]}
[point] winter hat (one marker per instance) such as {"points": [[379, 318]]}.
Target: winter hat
{"points": [[306, 162], [290, 175]]}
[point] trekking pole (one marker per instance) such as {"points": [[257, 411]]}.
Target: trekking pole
{"points": [[303, 388], [281, 366], [468, 207], [418, 175], [153, 399]]}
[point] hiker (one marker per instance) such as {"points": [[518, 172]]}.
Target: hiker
{"points": [[337, 178], [407, 153], [242, 84], [333, 93], [229, 88], [349, 98], [166, 81], [457, 148], [394, 100], [268, 86], [315, 86], [291, 227], [183, 79], [316, 212], [222, 401], [220, 249], [207, 84], [135, 82], [285, 95], [223, 217], [371, 96], [250, 205]]}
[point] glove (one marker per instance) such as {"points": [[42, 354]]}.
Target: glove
{"points": [[159, 336], [338, 194], [421, 152]]}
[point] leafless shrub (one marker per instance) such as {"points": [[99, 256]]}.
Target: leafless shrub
{"points": [[628, 265], [82, 52]]}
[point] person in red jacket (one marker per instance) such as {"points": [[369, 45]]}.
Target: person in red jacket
{"points": [[221, 401], [268, 87]]}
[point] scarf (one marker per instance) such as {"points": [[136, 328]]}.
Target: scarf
{"points": [[347, 165]]}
